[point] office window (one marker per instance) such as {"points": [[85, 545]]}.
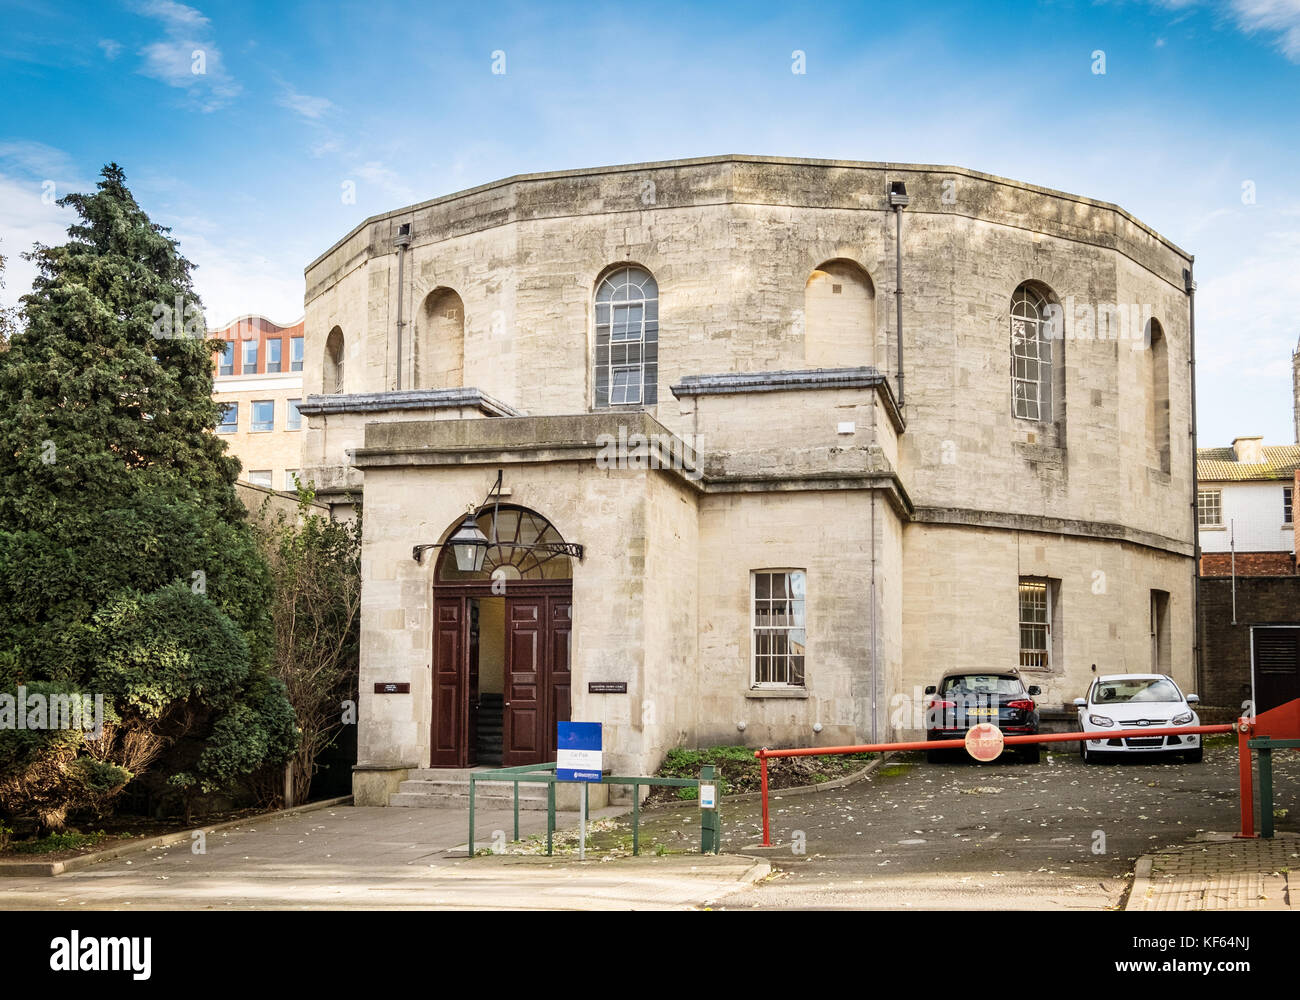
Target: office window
{"points": [[1209, 508], [250, 357], [1035, 624], [260, 477], [290, 479], [229, 421], [1286, 504], [264, 415], [227, 364], [273, 354], [295, 354], [295, 418], [778, 630]]}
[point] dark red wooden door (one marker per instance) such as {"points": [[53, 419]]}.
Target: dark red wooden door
{"points": [[449, 691], [524, 721], [560, 680]]}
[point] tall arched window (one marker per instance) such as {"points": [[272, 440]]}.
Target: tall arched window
{"points": [[440, 342], [1157, 393], [839, 316], [626, 367], [332, 380], [1032, 363]]}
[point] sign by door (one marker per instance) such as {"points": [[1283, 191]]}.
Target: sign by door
{"points": [[578, 751]]}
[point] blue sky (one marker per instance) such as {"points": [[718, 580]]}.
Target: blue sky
{"points": [[246, 161]]}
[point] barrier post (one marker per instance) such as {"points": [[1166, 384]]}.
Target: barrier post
{"points": [[762, 771], [1246, 784], [1265, 791]]}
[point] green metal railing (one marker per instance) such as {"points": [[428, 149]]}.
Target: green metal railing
{"points": [[1264, 747], [544, 774]]}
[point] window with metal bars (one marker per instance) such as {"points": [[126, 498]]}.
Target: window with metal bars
{"points": [[626, 361], [779, 628], [1035, 624]]}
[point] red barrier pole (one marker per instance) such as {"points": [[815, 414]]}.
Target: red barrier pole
{"points": [[1246, 780], [762, 771]]}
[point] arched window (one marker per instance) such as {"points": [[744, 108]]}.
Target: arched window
{"points": [[516, 554], [332, 380], [839, 317], [1157, 392], [626, 370], [440, 342], [1033, 367]]}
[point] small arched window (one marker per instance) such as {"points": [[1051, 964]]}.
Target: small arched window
{"points": [[1032, 363], [626, 369], [332, 380]]}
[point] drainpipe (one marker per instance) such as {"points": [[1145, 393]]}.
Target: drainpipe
{"points": [[898, 200], [874, 698], [1189, 285], [402, 240]]}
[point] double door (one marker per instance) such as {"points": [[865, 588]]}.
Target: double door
{"points": [[537, 675]]}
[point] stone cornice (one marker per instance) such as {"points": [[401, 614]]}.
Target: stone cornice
{"points": [[804, 380], [407, 399], [1007, 521]]}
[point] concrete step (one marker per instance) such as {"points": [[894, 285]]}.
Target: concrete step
{"points": [[441, 787]]}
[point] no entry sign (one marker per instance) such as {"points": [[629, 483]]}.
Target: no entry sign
{"points": [[984, 742]]}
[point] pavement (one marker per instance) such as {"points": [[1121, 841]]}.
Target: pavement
{"points": [[1060, 834], [1220, 873], [376, 858]]}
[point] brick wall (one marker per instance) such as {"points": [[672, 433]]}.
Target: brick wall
{"points": [[1248, 564], [1225, 648]]}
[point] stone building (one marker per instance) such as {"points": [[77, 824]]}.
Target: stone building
{"points": [[790, 518]]}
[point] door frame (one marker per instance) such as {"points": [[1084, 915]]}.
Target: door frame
{"points": [[464, 592]]}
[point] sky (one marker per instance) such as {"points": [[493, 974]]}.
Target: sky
{"points": [[245, 126]]}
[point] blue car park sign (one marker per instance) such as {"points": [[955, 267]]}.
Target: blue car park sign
{"points": [[578, 751]]}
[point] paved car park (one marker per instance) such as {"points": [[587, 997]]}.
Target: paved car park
{"points": [[1054, 835]]}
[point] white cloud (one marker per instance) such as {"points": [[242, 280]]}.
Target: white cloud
{"points": [[1277, 17], [305, 106], [111, 48], [374, 172], [187, 58], [25, 219]]}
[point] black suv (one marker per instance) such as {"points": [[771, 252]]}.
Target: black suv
{"points": [[965, 698]]}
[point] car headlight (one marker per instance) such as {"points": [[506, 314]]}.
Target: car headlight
{"points": [[1182, 720], [1100, 720]]}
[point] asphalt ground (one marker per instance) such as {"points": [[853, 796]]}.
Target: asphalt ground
{"points": [[1059, 834]]}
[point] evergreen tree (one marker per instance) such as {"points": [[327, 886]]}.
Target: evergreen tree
{"points": [[114, 490]]}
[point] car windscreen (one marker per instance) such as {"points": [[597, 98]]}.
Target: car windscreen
{"points": [[1119, 692], [982, 685]]}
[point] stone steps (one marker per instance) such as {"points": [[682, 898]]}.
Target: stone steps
{"points": [[449, 787]]}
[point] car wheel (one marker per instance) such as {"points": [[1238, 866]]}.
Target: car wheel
{"points": [[1030, 755], [1194, 756], [1089, 756]]}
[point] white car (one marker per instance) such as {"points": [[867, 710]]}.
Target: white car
{"points": [[1137, 701]]}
